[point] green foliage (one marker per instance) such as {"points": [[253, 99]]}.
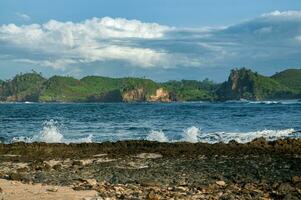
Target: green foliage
{"points": [[92, 88], [243, 83], [23, 87], [190, 90], [59, 88], [291, 78], [148, 85]]}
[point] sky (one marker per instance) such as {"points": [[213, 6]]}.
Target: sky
{"points": [[158, 39]]}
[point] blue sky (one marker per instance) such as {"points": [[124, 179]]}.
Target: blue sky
{"points": [[159, 39]]}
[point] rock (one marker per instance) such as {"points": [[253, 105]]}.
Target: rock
{"points": [[82, 162], [15, 176], [220, 183], [153, 196], [91, 182], [149, 155], [22, 169], [285, 188], [86, 184], [53, 189], [137, 94], [57, 167], [100, 155], [161, 95], [296, 179], [1, 190], [77, 162]]}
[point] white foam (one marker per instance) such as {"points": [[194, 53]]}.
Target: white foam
{"points": [[194, 134], [158, 136], [244, 137], [191, 134], [265, 102], [51, 134]]}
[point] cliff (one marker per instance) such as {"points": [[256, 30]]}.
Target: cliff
{"points": [[246, 84]]}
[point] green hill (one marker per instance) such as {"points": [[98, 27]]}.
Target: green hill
{"points": [[291, 78], [23, 87], [190, 90], [241, 84], [245, 84]]}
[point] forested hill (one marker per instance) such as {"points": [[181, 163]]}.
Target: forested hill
{"points": [[241, 84]]}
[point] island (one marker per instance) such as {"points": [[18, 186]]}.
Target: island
{"points": [[242, 83]]}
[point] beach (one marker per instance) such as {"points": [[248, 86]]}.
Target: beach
{"points": [[152, 170]]}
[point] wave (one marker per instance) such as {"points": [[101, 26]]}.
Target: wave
{"points": [[51, 134], [157, 136], [244, 101], [194, 134], [265, 102]]}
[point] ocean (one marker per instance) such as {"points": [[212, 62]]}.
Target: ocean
{"points": [[242, 121]]}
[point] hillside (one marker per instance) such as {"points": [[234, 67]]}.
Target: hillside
{"points": [[291, 78], [23, 87], [246, 84], [241, 84], [189, 90]]}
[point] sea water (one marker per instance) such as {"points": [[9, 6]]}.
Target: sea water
{"points": [[242, 121]]}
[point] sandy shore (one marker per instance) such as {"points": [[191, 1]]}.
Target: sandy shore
{"points": [[19, 191], [151, 170]]}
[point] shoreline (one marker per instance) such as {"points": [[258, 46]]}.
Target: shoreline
{"points": [[152, 170], [154, 102]]}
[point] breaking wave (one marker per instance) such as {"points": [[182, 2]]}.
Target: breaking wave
{"points": [[157, 136], [51, 134], [284, 102], [194, 134]]}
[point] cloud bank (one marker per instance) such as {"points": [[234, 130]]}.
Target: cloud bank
{"points": [[270, 39]]}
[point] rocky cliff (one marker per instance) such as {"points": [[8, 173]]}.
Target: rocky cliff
{"points": [[138, 94], [161, 95], [246, 84]]}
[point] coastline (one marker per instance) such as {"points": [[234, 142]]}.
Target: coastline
{"points": [[143, 169]]}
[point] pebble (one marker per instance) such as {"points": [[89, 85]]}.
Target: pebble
{"points": [[220, 183], [296, 179], [54, 189]]}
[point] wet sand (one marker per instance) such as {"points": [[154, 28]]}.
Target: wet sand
{"points": [[152, 170]]}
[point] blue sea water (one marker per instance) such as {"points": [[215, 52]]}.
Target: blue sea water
{"points": [[242, 121]]}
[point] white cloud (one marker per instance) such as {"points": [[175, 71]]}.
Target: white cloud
{"points": [[23, 16], [88, 41], [286, 14], [269, 39]]}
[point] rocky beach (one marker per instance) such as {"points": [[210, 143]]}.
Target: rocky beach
{"points": [[151, 170]]}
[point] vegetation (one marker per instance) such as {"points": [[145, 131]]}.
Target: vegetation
{"points": [[291, 78], [190, 90], [24, 87], [245, 84], [242, 83]]}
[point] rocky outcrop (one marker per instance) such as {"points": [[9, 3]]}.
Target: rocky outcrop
{"points": [[138, 94], [240, 85], [161, 95], [246, 84]]}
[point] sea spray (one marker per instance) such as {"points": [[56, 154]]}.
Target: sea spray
{"points": [[191, 134], [157, 136], [194, 134], [50, 133]]}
